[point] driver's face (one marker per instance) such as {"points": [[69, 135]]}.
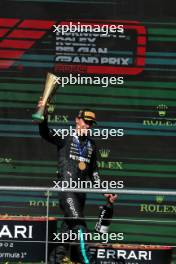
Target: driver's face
{"points": [[82, 126]]}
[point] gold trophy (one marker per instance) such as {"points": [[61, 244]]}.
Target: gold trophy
{"points": [[49, 91]]}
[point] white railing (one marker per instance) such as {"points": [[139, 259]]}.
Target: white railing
{"points": [[88, 190]]}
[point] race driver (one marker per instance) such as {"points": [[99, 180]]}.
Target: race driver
{"points": [[76, 160]]}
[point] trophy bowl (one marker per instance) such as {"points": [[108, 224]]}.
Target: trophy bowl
{"points": [[49, 90]]}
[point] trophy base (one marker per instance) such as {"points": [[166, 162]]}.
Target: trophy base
{"points": [[37, 117]]}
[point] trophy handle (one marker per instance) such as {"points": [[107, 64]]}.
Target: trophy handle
{"points": [[49, 91], [39, 115]]}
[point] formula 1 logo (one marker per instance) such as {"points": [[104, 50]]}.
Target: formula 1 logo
{"points": [[17, 36]]}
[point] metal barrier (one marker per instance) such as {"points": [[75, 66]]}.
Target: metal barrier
{"points": [[81, 190]]}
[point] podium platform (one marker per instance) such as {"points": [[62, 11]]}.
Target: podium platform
{"points": [[25, 240]]}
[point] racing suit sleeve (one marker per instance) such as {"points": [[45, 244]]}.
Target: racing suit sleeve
{"points": [[49, 134]]}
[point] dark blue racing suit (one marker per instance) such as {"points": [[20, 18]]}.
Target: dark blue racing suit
{"points": [[73, 203]]}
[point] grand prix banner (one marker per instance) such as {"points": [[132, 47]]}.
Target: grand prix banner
{"points": [[127, 76]]}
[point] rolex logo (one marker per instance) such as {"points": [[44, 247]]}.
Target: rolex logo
{"points": [[51, 108], [159, 199], [46, 194], [162, 109], [104, 153]]}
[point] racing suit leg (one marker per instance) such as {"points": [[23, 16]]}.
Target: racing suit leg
{"points": [[73, 205]]}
